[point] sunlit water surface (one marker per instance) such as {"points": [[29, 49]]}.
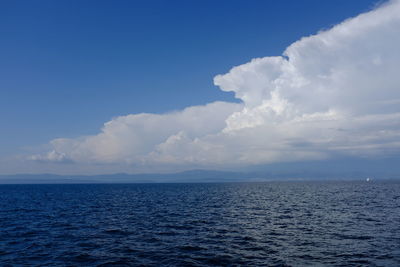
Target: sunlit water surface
{"points": [[230, 224]]}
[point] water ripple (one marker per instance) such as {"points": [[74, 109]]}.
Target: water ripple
{"points": [[250, 224]]}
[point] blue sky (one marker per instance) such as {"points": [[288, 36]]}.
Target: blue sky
{"points": [[139, 86], [69, 66]]}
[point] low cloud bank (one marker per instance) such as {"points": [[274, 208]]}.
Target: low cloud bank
{"points": [[334, 93]]}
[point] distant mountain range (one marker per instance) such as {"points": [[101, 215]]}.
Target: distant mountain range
{"points": [[187, 176], [277, 172]]}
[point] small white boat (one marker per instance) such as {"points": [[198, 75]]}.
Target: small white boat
{"points": [[368, 179]]}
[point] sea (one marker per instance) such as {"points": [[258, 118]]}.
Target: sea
{"points": [[303, 223]]}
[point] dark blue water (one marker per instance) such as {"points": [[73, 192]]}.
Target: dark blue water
{"points": [[251, 224]]}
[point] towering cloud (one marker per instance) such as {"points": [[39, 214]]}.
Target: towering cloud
{"points": [[336, 92]]}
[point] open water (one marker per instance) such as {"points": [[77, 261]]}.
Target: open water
{"points": [[227, 224]]}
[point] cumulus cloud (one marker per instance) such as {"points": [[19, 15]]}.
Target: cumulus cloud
{"points": [[336, 92], [50, 156], [129, 138]]}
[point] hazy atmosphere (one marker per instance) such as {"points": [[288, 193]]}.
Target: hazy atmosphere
{"points": [[126, 89]]}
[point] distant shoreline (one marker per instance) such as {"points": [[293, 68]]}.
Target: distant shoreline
{"points": [[194, 176]]}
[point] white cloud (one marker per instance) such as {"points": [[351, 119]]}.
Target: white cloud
{"points": [[50, 156], [334, 92], [129, 138]]}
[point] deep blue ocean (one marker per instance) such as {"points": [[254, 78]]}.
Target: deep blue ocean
{"points": [[227, 224]]}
